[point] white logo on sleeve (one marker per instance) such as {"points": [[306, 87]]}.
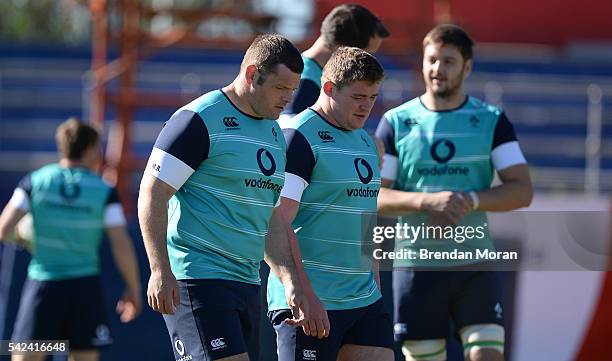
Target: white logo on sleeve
{"points": [[218, 343], [310, 355]]}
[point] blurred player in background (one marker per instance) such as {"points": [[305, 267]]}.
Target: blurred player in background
{"points": [[71, 207], [442, 150], [208, 208], [331, 184], [345, 25]]}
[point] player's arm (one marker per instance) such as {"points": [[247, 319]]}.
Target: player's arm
{"points": [[317, 323], [162, 290], [8, 220], [300, 163], [515, 190], [179, 149], [17, 207], [277, 255], [395, 202], [130, 305]]}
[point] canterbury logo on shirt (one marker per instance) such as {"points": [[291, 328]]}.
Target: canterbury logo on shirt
{"points": [[325, 136], [230, 122]]}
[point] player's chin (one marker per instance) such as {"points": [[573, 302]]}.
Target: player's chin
{"points": [[359, 121], [277, 110], [441, 92]]}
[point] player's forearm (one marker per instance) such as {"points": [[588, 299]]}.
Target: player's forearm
{"points": [[128, 267], [505, 197], [125, 257], [8, 220], [278, 251], [393, 202], [297, 259], [153, 219], [288, 209]]}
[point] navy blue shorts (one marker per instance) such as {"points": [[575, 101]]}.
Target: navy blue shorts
{"points": [[365, 326], [425, 302], [215, 319], [71, 309]]}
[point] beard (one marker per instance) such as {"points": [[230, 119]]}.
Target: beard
{"points": [[450, 89]]}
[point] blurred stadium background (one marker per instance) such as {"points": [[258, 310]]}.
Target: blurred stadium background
{"points": [[129, 64]]}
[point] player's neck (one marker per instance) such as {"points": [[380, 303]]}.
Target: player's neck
{"points": [[71, 163], [432, 102], [239, 98], [319, 52], [324, 110]]}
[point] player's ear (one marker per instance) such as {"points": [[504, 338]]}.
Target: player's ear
{"points": [[328, 86], [467, 68], [250, 73]]}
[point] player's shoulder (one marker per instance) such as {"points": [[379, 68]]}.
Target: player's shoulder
{"points": [[312, 70], [54, 172], [205, 101], [302, 121], [47, 169], [406, 110], [206, 110], [480, 105], [45, 173], [205, 106]]}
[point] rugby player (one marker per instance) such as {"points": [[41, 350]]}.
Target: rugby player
{"points": [[71, 207], [207, 209], [331, 185], [346, 25], [441, 151]]}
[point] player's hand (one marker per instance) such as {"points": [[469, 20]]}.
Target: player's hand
{"points": [[162, 292], [129, 306], [317, 322], [447, 207], [298, 304]]}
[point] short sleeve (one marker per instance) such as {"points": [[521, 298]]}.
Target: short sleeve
{"points": [[386, 133], [300, 158], [113, 212], [180, 148], [504, 132]]}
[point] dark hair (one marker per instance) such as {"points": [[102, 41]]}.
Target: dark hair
{"points": [[449, 34], [74, 137], [351, 25], [348, 64], [269, 50]]}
